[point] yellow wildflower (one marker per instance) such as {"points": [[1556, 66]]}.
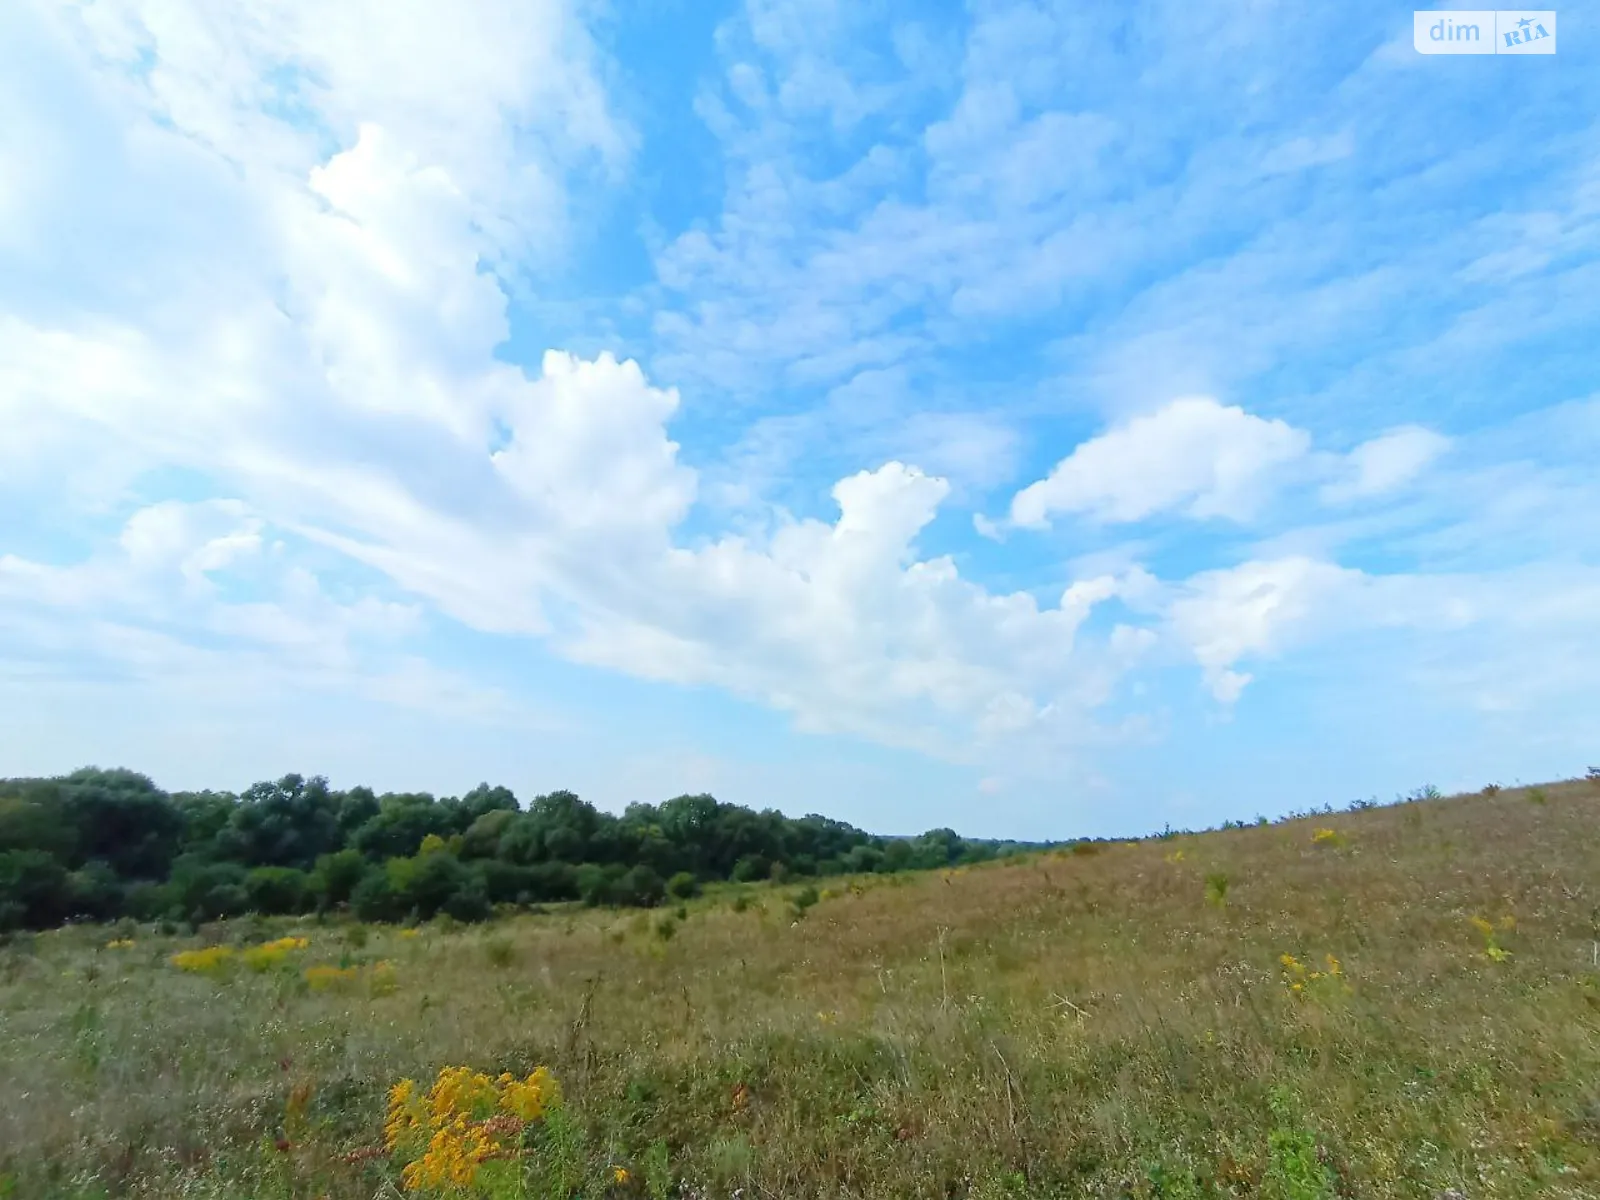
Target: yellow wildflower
{"points": [[382, 979], [209, 961], [402, 1118], [323, 977], [531, 1097], [270, 954], [619, 1175], [120, 944], [453, 1130]]}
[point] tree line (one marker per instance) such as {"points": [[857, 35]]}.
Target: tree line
{"points": [[106, 844]]}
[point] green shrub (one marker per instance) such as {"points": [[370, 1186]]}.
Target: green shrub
{"points": [[1217, 888], [276, 890]]}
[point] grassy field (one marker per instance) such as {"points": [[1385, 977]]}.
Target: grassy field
{"points": [[1116, 1023]]}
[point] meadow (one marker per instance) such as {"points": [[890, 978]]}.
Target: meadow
{"points": [[1402, 1001]]}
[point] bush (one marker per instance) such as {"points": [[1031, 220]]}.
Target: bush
{"points": [[96, 891], [504, 881], [276, 890], [593, 882], [333, 880], [551, 881], [862, 860], [640, 886], [374, 898], [146, 901], [1217, 888], [751, 868], [35, 891], [470, 903], [202, 891], [500, 952], [683, 886], [436, 881]]}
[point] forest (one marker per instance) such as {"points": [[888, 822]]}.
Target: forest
{"points": [[105, 844]]}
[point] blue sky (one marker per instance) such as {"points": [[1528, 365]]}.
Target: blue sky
{"points": [[1035, 419]]}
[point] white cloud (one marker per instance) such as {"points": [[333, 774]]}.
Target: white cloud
{"points": [[1251, 610], [1202, 459], [1193, 454], [845, 627], [323, 351], [1385, 463], [161, 607]]}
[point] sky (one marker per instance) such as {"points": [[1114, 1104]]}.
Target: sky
{"points": [[1041, 420]]}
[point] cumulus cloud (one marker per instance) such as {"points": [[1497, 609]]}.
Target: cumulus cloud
{"points": [[1201, 459], [334, 371], [843, 625], [321, 351], [1251, 611], [1193, 454]]}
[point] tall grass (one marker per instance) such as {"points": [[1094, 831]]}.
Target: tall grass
{"points": [[1075, 1024]]}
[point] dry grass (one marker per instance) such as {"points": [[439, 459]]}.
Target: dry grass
{"points": [[1063, 1026]]}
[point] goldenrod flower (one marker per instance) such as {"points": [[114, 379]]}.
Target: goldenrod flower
{"points": [[458, 1117], [323, 977], [211, 960]]}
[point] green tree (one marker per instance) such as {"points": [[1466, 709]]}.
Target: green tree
{"points": [[401, 823], [374, 897], [640, 885], [277, 890], [35, 891], [334, 878], [122, 819], [205, 814], [283, 824]]}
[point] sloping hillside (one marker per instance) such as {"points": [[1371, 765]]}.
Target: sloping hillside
{"points": [[1394, 1002]]}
